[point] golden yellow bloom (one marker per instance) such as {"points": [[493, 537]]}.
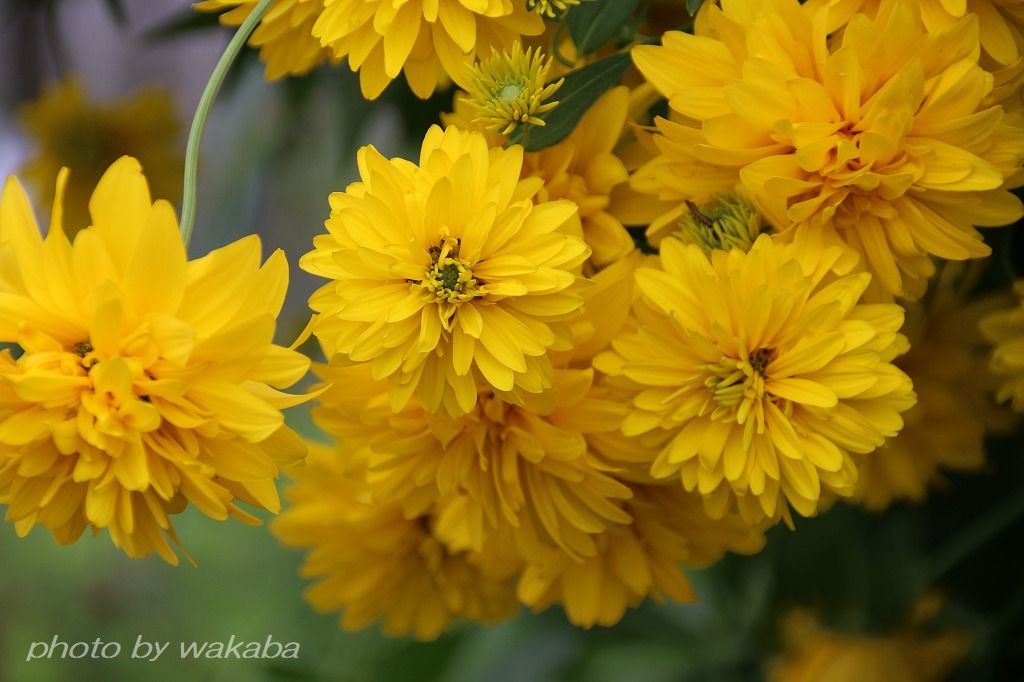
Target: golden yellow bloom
{"points": [[728, 221], [375, 563], [86, 137], [877, 135], [429, 40], [511, 89], [141, 381], [552, 9], [584, 168], [445, 276], [522, 470], [1006, 330], [762, 372], [814, 654], [643, 559], [945, 430], [1000, 21], [284, 36], [525, 467]]}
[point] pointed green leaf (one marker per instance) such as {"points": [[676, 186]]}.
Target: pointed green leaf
{"points": [[593, 23]]}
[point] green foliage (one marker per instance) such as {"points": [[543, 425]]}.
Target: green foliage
{"points": [[693, 5], [581, 89], [592, 24]]}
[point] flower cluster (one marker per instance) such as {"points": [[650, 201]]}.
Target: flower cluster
{"points": [[524, 397], [574, 348]]}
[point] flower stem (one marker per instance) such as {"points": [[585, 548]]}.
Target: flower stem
{"points": [[195, 134]]}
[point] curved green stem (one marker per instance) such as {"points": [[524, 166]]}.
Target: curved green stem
{"points": [[195, 135]]}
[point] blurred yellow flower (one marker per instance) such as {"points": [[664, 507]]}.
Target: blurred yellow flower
{"points": [[70, 131], [877, 136], [511, 89], [814, 654], [375, 563], [1006, 330], [584, 168], [670, 529], [445, 276], [141, 381], [946, 429], [284, 35], [762, 371], [429, 40]]}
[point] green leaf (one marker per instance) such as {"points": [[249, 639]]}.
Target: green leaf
{"points": [[578, 93], [692, 6], [594, 22]]}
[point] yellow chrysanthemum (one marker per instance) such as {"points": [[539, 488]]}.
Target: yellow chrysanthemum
{"points": [[71, 132], [510, 89], [524, 468], [445, 276], [284, 36], [141, 381], [814, 654], [1001, 22], [429, 40], [643, 559], [946, 429], [876, 135], [762, 373], [584, 168], [375, 563], [552, 9], [1006, 330]]}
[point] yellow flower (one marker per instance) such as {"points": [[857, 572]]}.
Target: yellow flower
{"points": [[762, 372], [141, 381], [584, 168], [511, 89], [814, 654], [643, 559], [1000, 21], [728, 221], [429, 40], [877, 136], [445, 276], [552, 9], [86, 137], [519, 466], [946, 429], [1006, 330], [522, 469], [284, 36], [375, 563]]}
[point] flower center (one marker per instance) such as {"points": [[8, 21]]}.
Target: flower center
{"points": [[738, 391], [510, 92], [450, 278], [84, 350]]}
